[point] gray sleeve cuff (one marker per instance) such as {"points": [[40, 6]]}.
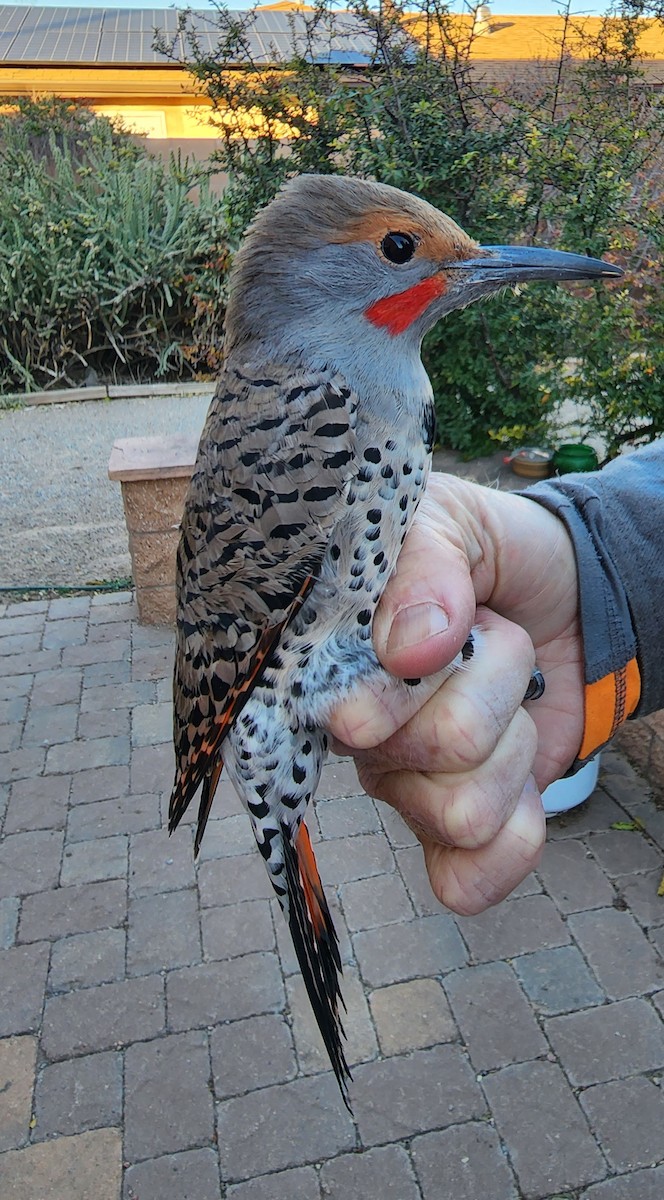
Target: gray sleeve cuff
{"points": [[615, 518]]}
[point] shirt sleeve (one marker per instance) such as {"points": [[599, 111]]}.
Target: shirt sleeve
{"points": [[615, 518]]}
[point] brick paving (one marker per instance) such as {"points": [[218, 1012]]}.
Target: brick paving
{"points": [[155, 1040]]}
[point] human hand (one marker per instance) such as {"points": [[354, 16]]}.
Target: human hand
{"points": [[466, 770]]}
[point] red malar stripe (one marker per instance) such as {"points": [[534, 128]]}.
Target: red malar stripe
{"points": [[396, 313]]}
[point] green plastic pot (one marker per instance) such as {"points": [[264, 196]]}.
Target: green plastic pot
{"points": [[575, 458]]}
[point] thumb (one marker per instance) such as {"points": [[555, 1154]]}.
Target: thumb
{"points": [[422, 621], [428, 607]]}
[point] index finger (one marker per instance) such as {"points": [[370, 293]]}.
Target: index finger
{"points": [[458, 728]]}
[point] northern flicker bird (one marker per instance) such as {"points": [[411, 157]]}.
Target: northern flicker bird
{"points": [[311, 465]]}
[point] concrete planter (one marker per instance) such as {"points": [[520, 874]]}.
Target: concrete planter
{"points": [[154, 474]]}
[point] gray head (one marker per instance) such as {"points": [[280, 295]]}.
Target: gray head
{"points": [[334, 261], [324, 249]]}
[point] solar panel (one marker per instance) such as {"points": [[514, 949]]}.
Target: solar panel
{"points": [[204, 28], [276, 22], [11, 19], [57, 35], [121, 35], [128, 34]]}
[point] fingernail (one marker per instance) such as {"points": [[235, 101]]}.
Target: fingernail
{"points": [[416, 624]]}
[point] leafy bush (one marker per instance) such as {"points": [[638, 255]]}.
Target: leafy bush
{"points": [[109, 267], [570, 155]]}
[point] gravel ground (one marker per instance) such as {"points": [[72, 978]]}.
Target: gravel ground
{"points": [[61, 518]]}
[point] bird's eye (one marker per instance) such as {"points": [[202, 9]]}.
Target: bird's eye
{"points": [[398, 247]]}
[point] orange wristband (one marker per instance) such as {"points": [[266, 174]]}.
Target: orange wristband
{"points": [[608, 704]]}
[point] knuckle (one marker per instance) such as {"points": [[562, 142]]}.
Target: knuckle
{"points": [[450, 885], [457, 737], [522, 649], [526, 735], [469, 735], [522, 641], [372, 779], [362, 722], [474, 816]]}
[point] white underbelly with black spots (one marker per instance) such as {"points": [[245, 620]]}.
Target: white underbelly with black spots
{"points": [[327, 647]]}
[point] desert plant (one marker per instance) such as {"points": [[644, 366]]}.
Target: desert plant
{"points": [[109, 267]]}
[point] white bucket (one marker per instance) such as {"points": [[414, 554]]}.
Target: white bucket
{"points": [[567, 793]]}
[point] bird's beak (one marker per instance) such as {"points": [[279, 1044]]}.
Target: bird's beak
{"points": [[496, 266]]}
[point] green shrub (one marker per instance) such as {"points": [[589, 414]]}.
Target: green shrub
{"points": [[570, 156], [110, 267]]}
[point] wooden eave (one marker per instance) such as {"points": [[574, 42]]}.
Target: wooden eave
{"points": [[105, 81]]}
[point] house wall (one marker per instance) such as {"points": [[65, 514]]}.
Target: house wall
{"points": [[156, 102]]}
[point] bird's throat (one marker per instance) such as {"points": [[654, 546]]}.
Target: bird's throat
{"points": [[397, 313]]}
